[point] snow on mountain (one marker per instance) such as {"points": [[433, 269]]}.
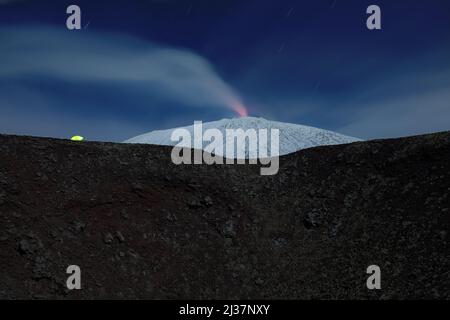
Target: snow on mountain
{"points": [[293, 137]]}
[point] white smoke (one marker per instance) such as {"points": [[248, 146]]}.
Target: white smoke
{"points": [[176, 74]]}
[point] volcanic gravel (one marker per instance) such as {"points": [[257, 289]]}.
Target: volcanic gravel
{"points": [[140, 227]]}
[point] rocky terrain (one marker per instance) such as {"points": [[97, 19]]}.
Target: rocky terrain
{"points": [[140, 227]]}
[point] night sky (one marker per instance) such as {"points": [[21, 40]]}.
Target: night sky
{"points": [[138, 66]]}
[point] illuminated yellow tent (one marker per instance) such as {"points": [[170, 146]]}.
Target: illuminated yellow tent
{"points": [[77, 138]]}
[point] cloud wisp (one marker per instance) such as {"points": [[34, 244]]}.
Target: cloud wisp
{"points": [[175, 74]]}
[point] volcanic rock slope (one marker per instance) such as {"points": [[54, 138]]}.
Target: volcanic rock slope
{"points": [[139, 226]]}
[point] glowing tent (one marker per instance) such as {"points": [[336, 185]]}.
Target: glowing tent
{"points": [[77, 138]]}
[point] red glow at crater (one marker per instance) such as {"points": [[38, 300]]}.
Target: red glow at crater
{"points": [[240, 109]]}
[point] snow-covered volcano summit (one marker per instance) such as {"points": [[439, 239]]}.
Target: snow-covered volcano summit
{"points": [[293, 137]]}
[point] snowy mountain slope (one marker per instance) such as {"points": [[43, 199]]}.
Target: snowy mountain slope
{"points": [[293, 137]]}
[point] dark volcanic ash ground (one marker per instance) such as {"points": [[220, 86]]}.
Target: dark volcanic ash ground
{"points": [[141, 227]]}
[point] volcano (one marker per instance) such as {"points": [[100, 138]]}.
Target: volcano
{"points": [[293, 137]]}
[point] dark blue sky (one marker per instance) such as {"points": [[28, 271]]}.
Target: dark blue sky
{"points": [[138, 66]]}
